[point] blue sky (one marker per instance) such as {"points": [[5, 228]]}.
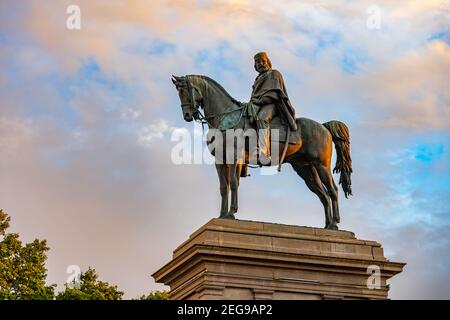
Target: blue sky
{"points": [[86, 118]]}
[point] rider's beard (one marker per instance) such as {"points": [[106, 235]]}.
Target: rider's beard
{"points": [[263, 69]]}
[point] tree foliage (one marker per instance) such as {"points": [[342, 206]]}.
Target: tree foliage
{"points": [[155, 295], [89, 288], [22, 267]]}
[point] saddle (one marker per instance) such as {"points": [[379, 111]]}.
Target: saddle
{"points": [[244, 117], [277, 124]]}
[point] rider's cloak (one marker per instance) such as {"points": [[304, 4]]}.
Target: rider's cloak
{"points": [[271, 84]]}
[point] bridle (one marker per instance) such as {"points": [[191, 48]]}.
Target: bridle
{"points": [[191, 103], [198, 116]]}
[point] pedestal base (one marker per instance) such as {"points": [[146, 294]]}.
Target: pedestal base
{"points": [[237, 259]]}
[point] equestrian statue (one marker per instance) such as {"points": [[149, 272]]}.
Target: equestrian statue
{"points": [[301, 142]]}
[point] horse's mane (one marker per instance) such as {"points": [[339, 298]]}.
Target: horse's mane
{"points": [[218, 86]]}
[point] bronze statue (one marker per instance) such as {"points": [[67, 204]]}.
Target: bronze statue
{"points": [[308, 151], [269, 92]]}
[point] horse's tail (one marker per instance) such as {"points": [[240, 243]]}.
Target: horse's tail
{"points": [[341, 139]]}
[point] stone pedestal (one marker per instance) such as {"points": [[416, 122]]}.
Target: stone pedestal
{"points": [[237, 259]]}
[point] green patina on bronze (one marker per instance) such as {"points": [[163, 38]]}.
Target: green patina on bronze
{"points": [[232, 116]]}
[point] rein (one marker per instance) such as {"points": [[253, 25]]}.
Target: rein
{"points": [[242, 108], [199, 117]]}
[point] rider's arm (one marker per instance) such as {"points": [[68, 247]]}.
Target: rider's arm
{"points": [[266, 99]]}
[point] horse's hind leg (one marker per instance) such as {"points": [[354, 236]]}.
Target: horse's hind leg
{"points": [[327, 179], [223, 173], [337, 215], [312, 180]]}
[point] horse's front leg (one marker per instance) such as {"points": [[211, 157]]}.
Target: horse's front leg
{"points": [[235, 173], [223, 173]]}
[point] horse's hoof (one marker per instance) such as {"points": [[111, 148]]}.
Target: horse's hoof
{"points": [[223, 215], [229, 216], [332, 227]]}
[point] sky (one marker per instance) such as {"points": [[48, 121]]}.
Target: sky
{"points": [[87, 116]]}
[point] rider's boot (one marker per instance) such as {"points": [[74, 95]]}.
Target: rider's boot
{"points": [[263, 143]]}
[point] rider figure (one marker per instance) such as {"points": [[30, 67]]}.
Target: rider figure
{"points": [[269, 93]]}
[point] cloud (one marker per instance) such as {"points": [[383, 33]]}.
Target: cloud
{"points": [[153, 131], [410, 92], [86, 118]]}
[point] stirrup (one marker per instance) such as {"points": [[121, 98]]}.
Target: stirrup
{"points": [[267, 160]]}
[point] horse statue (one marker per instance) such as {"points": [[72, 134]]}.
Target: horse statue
{"points": [[308, 151]]}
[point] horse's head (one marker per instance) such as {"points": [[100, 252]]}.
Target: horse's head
{"points": [[190, 97]]}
